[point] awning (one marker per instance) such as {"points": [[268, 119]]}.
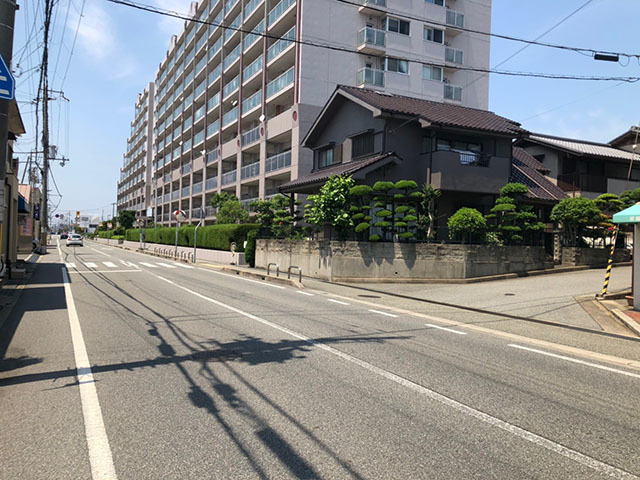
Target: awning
{"points": [[23, 205], [628, 215]]}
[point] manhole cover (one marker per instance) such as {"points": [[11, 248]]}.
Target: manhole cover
{"points": [[215, 355]]}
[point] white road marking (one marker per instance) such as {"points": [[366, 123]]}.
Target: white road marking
{"points": [[519, 432], [337, 301], [110, 264], [166, 265], [128, 264], [100, 456], [384, 313], [575, 360], [106, 271], [70, 265], [305, 293], [266, 284], [445, 329], [90, 265], [182, 265], [100, 252], [150, 265]]}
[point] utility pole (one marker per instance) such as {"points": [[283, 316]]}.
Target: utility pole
{"points": [[45, 126], [7, 18]]}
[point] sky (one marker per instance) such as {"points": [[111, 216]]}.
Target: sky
{"points": [[118, 49]]}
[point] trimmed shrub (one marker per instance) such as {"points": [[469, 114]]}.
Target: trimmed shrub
{"points": [[467, 224], [216, 237], [250, 250]]}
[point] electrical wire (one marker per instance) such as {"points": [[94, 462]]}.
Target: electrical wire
{"points": [[347, 49], [73, 45]]}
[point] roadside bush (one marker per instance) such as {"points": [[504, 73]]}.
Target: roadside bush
{"points": [[105, 234], [216, 237], [250, 250], [467, 224]]}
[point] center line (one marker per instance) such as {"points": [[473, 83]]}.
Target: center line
{"points": [[337, 301], [445, 329], [305, 293], [514, 430], [384, 313]]}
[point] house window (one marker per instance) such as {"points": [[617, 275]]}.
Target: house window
{"points": [[432, 73], [398, 26], [362, 145], [433, 35], [451, 92], [436, 2], [396, 65], [325, 157]]}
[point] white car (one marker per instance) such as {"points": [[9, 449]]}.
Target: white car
{"points": [[74, 239]]}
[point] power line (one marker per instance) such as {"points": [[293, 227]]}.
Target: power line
{"points": [[73, 45], [491, 34], [347, 49]]}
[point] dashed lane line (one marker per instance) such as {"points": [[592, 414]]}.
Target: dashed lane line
{"points": [[383, 313], [150, 265], [166, 265], [337, 301], [445, 329], [305, 293], [100, 252]]}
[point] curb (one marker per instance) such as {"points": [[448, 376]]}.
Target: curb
{"points": [[628, 322]]}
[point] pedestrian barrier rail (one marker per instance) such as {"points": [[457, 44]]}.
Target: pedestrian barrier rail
{"points": [[299, 272], [277, 269], [171, 253]]}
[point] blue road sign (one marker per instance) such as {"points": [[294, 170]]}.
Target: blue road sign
{"points": [[7, 82]]}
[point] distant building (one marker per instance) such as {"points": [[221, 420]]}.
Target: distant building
{"points": [[233, 104]]}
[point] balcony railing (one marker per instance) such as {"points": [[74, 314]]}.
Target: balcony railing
{"points": [[230, 117], [280, 83], [229, 177], [277, 11], [213, 101], [370, 76], [246, 203], [276, 162], [453, 55], [231, 58], [186, 168], [279, 46], [252, 37], [197, 212], [197, 188], [252, 102], [165, 217], [175, 195], [232, 29], [212, 156], [251, 170], [211, 183], [455, 19], [231, 86], [473, 158], [250, 7], [375, 3], [453, 92], [581, 182], [210, 211], [372, 36], [213, 128], [253, 68], [186, 191]]}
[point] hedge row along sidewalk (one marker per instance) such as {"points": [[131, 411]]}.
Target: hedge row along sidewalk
{"points": [[216, 237]]}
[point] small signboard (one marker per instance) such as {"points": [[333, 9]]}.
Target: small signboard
{"points": [[180, 216], [7, 82]]}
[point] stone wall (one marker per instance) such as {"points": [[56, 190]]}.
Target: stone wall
{"points": [[385, 261], [593, 256]]}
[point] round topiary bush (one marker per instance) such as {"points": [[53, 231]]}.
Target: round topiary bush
{"points": [[467, 224]]}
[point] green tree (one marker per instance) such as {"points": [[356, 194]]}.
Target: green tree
{"points": [[331, 205], [630, 197], [576, 215], [231, 211], [467, 224], [126, 218], [609, 203], [515, 220], [427, 210], [220, 199]]}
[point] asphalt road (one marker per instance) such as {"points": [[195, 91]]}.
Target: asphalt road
{"points": [[192, 373]]}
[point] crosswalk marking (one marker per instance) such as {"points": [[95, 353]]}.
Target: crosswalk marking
{"points": [[165, 265], [182, 265], [70, 265], [90, 265], [128, 264], [150, 265], [110, 264]]}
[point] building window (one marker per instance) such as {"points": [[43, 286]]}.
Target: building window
{"points": [[433, 35], [325, 157], [396, 65], [362, 145], [398, 26], [436, 2], [432, 73], [451, 92]]}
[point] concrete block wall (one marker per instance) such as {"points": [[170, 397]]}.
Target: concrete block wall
{"points": [[593, 256]]}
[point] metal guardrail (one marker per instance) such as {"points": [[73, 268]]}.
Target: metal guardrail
{"points": [[299, 272], [277, 269]]}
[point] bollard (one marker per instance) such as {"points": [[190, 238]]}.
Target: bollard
{"points": [[609, 264]]}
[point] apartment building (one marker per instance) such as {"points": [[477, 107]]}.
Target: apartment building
{"points": [[235, 97], [136, 174]]}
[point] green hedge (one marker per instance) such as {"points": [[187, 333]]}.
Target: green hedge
{"points": [[105, 233], [216, 237]]}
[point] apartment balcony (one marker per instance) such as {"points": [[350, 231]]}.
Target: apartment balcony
{"points": [[212, 156], [281, 83], [252, 38], [246, 203], [286, 41], [165, 217], [278, 12], [249, 171], [186, 191], [456, 20], [231, 87], [370, 76], [175, 195], [210, 211], [197, 213], [373, 7], [230, 117], [229, 177], [278, 162], [251, 136], [372, 41], [211, 183], [186, 168], [251, 103], [251, 70], [197, 188], [453, 55], [232, 58]]}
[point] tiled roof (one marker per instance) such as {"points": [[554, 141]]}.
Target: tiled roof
{"points": [[526, 172], [581, 147], [321, 176], [439, 113], [530, 161]]}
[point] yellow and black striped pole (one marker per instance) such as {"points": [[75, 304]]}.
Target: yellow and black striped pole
{"points": [[610, 264]]}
